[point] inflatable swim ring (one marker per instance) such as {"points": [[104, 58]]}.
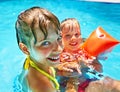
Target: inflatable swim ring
{"points": [[98, 42]]}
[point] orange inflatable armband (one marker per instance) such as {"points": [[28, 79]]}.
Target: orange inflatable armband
{"points": [[98, 42]]}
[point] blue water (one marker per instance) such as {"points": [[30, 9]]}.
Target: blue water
{"points": [[90, 15]]}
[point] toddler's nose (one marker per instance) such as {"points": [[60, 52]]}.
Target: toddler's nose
{"points": [[73, 37]]}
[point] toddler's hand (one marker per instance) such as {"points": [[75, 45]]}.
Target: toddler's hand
{"points": [[66, 57], [95, 65], [87, 61], [85, 57], [69, 67]]}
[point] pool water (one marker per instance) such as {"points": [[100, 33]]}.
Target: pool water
{"points": [[90, 15]]}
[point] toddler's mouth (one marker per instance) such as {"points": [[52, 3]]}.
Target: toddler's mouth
{"points": [[73, 43]]}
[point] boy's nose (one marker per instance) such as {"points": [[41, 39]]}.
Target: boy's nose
{"points": [[57, 47]]}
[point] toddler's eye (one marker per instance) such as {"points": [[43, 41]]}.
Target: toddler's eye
{"points": [[77, 35], [68, 36]]}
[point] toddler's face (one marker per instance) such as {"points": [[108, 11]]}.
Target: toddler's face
{"points": [[71, 38], [46, 50]]}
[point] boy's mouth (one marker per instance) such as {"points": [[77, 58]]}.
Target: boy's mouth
{"points": [[53, 58]]}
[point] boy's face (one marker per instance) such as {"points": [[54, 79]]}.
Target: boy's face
{"points": [[46, 50], [71, 38]]}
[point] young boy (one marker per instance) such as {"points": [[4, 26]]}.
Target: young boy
{"points": [[37, 32]]}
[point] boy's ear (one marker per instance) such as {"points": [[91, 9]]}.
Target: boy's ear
{"points": [[24, 48]]}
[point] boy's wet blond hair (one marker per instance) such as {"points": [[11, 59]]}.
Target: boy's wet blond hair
{"points": [[32, 19]]}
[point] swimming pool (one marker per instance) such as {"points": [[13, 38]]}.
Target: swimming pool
{"points": [[90, 15]]}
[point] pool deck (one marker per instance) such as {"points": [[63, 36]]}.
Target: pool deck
{"points": [[108, 1]]}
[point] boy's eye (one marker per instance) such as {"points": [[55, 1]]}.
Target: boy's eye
{"points": [[59, 38], [45, 43]]}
